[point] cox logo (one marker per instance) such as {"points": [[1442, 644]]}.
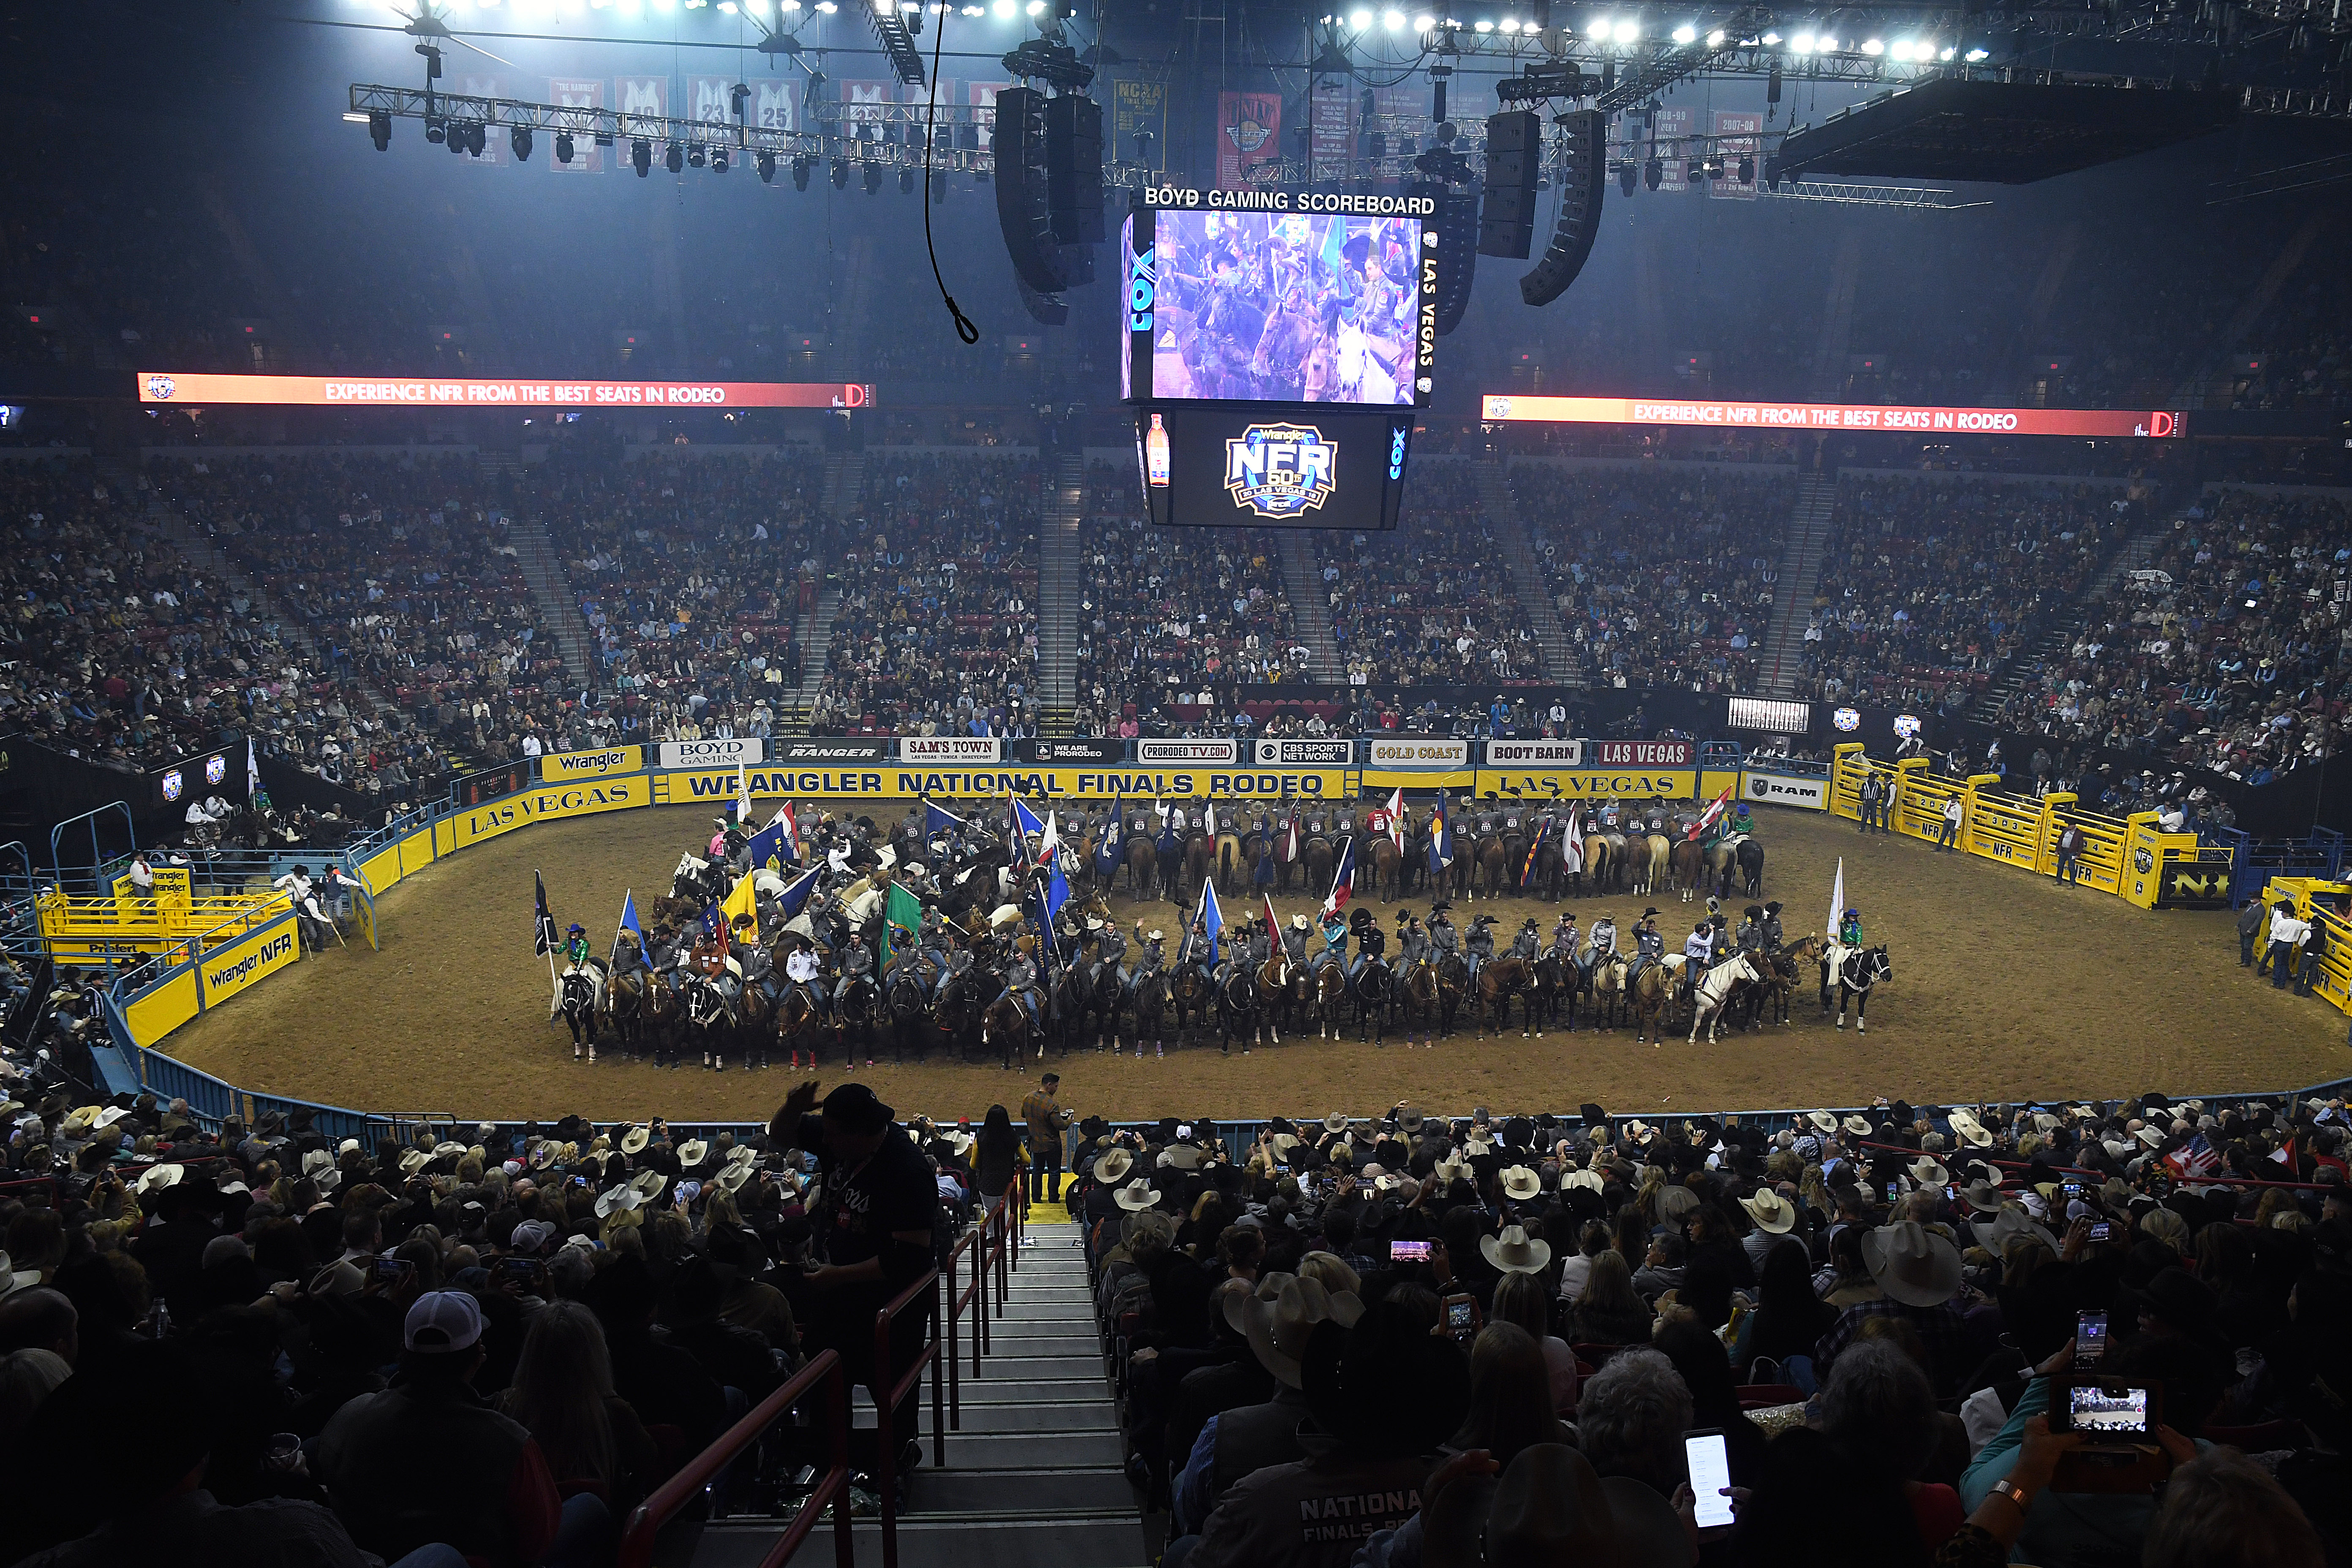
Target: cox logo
{"points": [[1846, 718], [1142, 288]]}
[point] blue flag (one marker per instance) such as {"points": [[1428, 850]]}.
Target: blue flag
{"points": [[1213, 919], [1057, 893], [797, 893], [936, 819], [629, 923], [713, 922], [1025, 818], [770, 844], [1441, 838]]}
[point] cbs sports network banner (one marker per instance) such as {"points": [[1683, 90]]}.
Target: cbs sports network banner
{"points": [[1278, 346]]}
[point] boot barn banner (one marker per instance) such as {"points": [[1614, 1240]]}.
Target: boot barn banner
{"points": [[1249, 133]]}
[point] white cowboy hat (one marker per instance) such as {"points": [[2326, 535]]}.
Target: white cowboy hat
{"points": [[13, 1279], [1822, 1121], [416, 1160], [347, 1146], [1282, 1143], [1452, 1168], [1519, 1182], [1278, 1321], [1474, 1144], [1859, 1126], [1985, 1197], [2045, 1122], [1772, 1211], [1181, 1157], [649, 1183], [621, 1199], [317, 1161], [1157, 935], [445, 1147], [1336, 1122], [732, 1176], [155, 1178], [692, 1152], [1137, 1195], [1299, 922], [1512, 1253], [110, 1116], [1912, 1264], [1113, 1165], [635, 1140], [2008, 1223], [1927, 1172], [1968, 1129], [1587, 1180]]}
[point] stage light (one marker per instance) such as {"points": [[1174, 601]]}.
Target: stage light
{"points": [[1946, 55], [1482, 26], [1973, 57], [766, 163], [1771, 38], [1628, 177], [1598, 29], [1825, 44], [1359, 20], [906, 182], [641, 156], [1002, 10], [694, 154], [564, 146], [676, 161], [1654, 173], [457, 139], [1715, 39], [1802, 44], [719, 160], [520, 140], [1511, 25], [1626, 30], [873, 178], [1686, 34], [477, 137], [1746, 169], [1873, 47], [975, 11], [1392, 20], [1035, 7], [353, 116], [435, 132], [1423, 24], [726, 7], [380, 130], [841, 173], [1900, 50]]}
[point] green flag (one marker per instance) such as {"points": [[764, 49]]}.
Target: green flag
{"points": [[902, 918]]}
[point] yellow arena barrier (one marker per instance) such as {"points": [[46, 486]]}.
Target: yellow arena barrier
{"points": [[82, 929]]}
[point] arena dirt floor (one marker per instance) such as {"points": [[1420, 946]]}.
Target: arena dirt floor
{"points": [[2006, 987]]}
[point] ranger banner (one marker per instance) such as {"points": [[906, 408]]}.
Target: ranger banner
{"points": [[903, 782]]}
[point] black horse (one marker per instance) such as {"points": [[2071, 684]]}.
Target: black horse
{"points": [[1751, 867], [1861, 969], [1376, 992]]}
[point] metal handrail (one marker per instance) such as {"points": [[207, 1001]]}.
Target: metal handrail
{"points": [[957, 1302], [888, 1390], [671, 1498]]}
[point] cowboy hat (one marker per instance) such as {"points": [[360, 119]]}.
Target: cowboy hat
{"points": [[1336, 1122], [1983, 1197], [1181, 1157], [1912, 1264], [1407, 1118], [155, 1178], [1822, 1121], [444, 1148], [1674, 1200], [1520, 1182], [1968, 1129], [649, 1183], [2009, 1223], [1927, 1172], [1512, 1252], [620, 1199], [1587, 1180], [1111, 1168], [1773, 1213], [1859, 1126], [110, 1116], [13, 1279], [692, 1152], [1138, 1194], [1282, 1143], [733, 1177], [416, 1160], [635, 1140], [1299, 922], [1474, 1144], [1278, 1321], [1452, 1168], [80, 1122]]}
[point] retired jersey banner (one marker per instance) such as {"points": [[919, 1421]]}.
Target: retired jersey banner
{"points": [[576, 93], [1249, 133], [1669, 127], [710, 99], [774, 105], [1737, 136], [862, 100], [494, 137], [419, 392], [646, 95], [1331, 129]]}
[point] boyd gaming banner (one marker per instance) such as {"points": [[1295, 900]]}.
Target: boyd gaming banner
{"points": [[1249, 133], [577, 92]]}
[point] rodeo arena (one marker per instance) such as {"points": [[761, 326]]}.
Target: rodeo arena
{"points": [[1551, 786]]}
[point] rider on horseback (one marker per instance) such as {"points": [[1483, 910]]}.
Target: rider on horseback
{"points": [[1335, 941], [1412, 942], [1153, 953], [1849, 928], [1445, 941], [575, 945], [1751, 929], [1480, 943], [1770, 926], [1294, 941], [1528, 943], [1021, 984], [1564, 937], [1604, 943], [1368, 941], [1698, 948], [802, 970], [856, 964]]}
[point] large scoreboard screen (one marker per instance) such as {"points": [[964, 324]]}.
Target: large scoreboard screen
{"points": [[1225, 466]]}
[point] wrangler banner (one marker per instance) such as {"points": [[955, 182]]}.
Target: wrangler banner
{"points": [[995, 784], [245, 962], [1591, 783], [571, 767], [510, 812]]}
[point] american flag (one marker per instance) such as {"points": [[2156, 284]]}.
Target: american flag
{"points": [[2194, 1158]]}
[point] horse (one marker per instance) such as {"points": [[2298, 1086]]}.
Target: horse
{"points": [[800, 1022], [1315, 857], [1651, 1004], [696, 880], [1657, 870], [1500, 980], [1200, 862], [1274, 994], [1386, 865], [909, 1000], [1549, 978], [1330, 996], [580, 996], [1608, 980], [1750, 856], [710, 1016], [1238, 1011], [1192, 996], [1689, 868], [1721, 861], [1007, 1021], [1425, 1004], [1856, 970], [1598, 866], [662, 1013], [1712, 998], [1286, 857], [1143, 867], [1492, 859], [1151, 1013], [1073, 1000], [624, 1006], [1375, 992], [1780, 972], [1232, 863], [854, 1010], [755, 1025]]}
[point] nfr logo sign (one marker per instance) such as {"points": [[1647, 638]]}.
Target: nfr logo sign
{"points": [[1281, 471]]}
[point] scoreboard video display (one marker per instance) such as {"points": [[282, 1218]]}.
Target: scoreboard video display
{"points": [[1261, 466]]}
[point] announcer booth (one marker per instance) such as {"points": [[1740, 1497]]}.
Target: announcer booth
{"points": [[1279, 345]]}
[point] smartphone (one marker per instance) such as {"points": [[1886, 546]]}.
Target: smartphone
{"points": [[1710, 1472], [1185, 1130], [1893, 1191], [2104, 1407], [389, 1268], [2090, 1336], [523, 1268], [2100, 1231], [1461, 1316], [1407, 1252], [2072, 1189]]}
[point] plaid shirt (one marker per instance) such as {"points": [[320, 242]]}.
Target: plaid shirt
{"points": [[1951, 1346], [1045, 1120]]}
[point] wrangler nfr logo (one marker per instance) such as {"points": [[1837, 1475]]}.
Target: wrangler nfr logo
{"points": [[1280, 470]]}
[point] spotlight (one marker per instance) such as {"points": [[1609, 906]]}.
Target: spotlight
{"points": [[906, 182], [719, 160], [872, 174], [800, 173], [1035, 7], [457, 138], [1481, 26], [1359, 20], [1628, 176], [1627, 30], [641, 156], [694, 154], [477, 137], [1802, 44], [1598, 30], [676, 161], [1511, 25], [1686, 34], [1392, 20], [1654, 173], [1873, 47], [766, 164], [520, 140], [1746, 169], [1715, 39], [564, 146], [1974, 57], [380, 130], [435, 131], [841, 173], [1004, 10], [1423, 24]]}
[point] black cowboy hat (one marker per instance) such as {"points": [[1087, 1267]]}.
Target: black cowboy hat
{"points": [[1438, 909]]}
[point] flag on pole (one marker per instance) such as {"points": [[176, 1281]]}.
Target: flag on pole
{"points": [[902, 918], [629, 923], [1396, 819], [938, 819], [1208, 917], [1273, 924], [767, 847], [743, 901], [1050, 846], [790, 822], [1057, 893], [1292, 853], [2194, 1158], [252, 770], [1714, 812], [714, 926], [544, 937], [1441, 837], [1837, 899], [1343, 879], [1572, 842], [743, 795], [1528, 871], [796, 892]]}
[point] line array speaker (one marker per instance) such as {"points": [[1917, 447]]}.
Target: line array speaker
{"points": [[1583, 176], [1507, 219]]}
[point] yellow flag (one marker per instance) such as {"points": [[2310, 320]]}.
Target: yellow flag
{"points": [[743, 901]]}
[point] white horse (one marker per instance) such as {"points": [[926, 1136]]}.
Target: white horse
{"points": [[1715, 991], [578, 999]]}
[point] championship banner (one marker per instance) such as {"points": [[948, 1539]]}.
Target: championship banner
{"points": [[1737, 136], [1138, 109], [1419, 752], [1331, 129], [1591, 783], [1668, 128], [2094, 422], [1249, 133], [1142, 785], [577, 92], [400, 392], [250, 960], [510, 812], [570, 767]]}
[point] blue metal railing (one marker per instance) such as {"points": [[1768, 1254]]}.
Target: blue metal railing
{"points": [[2319, 855]]}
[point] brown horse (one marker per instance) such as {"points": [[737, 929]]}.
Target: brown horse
{"points": [[1653, 1003], [1200, 862], [1274, 978], [799, 1024], [1142, 867], [1689, 868], [1315, 854], [661, 1014], [1385, 860], [1500, 980], [1783, 971], [1493, 859], [1233, 862], [1330, 1000], [1003, 1023], [1423, 1005]]}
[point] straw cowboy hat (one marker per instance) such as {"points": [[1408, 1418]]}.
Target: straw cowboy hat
{"points": [[155, 1178], [1452, 1168], [1279, 1321], [1113, 1166], [1282, 1143], [2007, 1225], [416, 1160], [1968, 1129], [1336, 1122], [619, 1200], [649, 1183], [1519, 1182], [1927, 1172], [733, 1177], [1589, 1180], [1858, 1126], [1181, 1157], [1773, 1213], [692, 1152], [1475, 1145], [1983, 1197], [1138, 1194], [1512, 1253], [1912, 1264], [80, 1122], [12, 1278], [1822, 1121], [635, 1140]]}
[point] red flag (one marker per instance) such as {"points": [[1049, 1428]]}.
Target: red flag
{"points": [[1713, 811], [1273, 922]]}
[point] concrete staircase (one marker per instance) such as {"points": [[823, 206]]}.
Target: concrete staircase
{"points": [[1310, 612], [550, 590], [1801, 575], [1033, 1477], [1061, 584], [1502, 507], [843, 499], [2139, 551]]}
